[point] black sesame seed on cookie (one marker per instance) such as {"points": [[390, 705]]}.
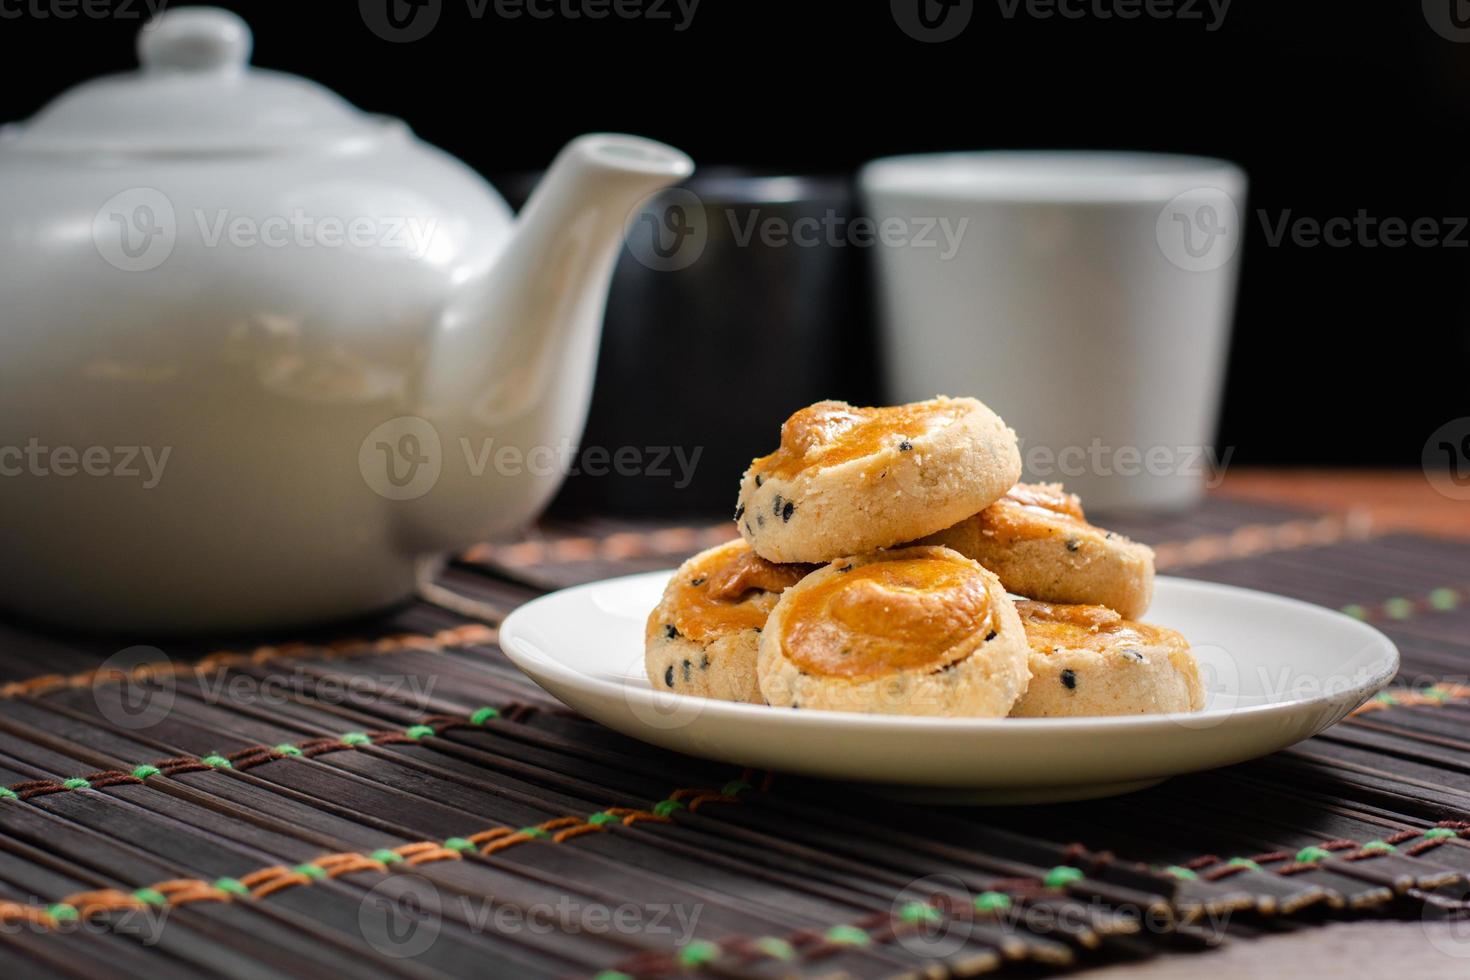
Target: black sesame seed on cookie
{"points": [[1069, 680], [671, 631], [669, 676], [787, 511]]}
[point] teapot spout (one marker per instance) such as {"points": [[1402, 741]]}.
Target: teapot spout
{"points": [[509, 371]]}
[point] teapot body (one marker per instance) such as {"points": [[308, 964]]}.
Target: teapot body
{"points": [[262, 354], [192, 357]]}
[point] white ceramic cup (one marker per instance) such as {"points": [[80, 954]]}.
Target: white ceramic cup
{"points": [[1084, 296]]}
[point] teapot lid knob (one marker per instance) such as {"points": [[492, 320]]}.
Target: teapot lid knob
{"points": [[195, 39]]}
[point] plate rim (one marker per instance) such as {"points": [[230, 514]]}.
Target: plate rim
{"points": [[599, 686]]}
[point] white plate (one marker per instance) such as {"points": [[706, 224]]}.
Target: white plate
{"points": [[1276, 671]]}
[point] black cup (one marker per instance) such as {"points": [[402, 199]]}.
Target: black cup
{"points": [[738, 298]]}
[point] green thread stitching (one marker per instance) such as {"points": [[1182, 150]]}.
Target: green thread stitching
{"points": [[698, 952], [847, 936], [311, 871], [664, 808], [483, 715], [7, 794], [1243, 863], [287, 750], [144, 771], [217, 762], [1398, 608], [1443, 600], [531, 832], [76, 784], [1439, 833], [1183, 874], [775, 948], [385, 856], [459, 844], [598, 819], [150, 896], [62, 912], [417, 732], [914, 912], [992, 902], [735, 787], [1061, 876], [231, 886], [355, 739], [1379, 846], [1311, 855]]}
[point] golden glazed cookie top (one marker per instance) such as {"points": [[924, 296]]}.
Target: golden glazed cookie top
{"points": [[1032, 510], [730, 588], [1052, 626], [878, 618], [831, 433]]}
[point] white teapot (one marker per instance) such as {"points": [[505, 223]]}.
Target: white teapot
{"points": [[262, 355]]}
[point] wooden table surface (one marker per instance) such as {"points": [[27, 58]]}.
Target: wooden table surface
{"points": [[1399, 500]]}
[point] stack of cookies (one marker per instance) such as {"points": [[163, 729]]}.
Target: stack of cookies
{"points": [[880, 549]]}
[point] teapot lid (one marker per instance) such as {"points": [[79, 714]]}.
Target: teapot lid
{"points": [[195, 93]]}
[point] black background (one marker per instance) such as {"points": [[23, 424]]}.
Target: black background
{"points": [[1341, 354]]}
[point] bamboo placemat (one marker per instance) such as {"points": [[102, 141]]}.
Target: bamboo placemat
{"points": [[392, 798]]}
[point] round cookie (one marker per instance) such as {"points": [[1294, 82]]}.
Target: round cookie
{"points": [[915, 631], [1038, 541], [848, 480], [1087, 661], [703, 636]]}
